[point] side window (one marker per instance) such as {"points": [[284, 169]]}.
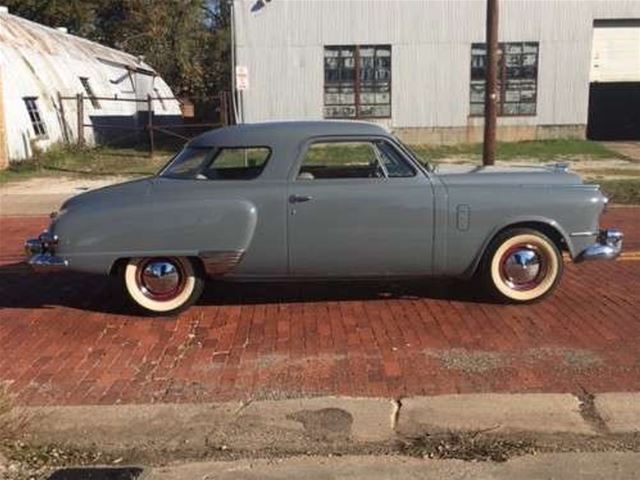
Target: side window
{"points": [[330, 160], [186, 164], [394, 165], [360, 159], [237, 163]]}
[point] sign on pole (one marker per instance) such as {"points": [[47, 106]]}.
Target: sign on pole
{"points": [[242, 77]]}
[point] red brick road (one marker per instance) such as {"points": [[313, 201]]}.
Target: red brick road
{"points": [[70, 339]]}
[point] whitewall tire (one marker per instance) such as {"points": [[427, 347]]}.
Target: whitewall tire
{"points": [[162, 285], [522, 265]]}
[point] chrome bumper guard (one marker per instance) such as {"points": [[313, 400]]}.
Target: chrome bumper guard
{"points": [[41, 252], [608, 246]]}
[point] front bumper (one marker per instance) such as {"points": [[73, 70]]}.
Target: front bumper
{"points": [[608, 246], [41, 253]]}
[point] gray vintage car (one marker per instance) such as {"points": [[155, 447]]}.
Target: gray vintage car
{"points": [[307, 200]]}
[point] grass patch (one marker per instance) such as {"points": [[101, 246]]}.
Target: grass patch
{"points": [[621, 191], [597, 173], [87, 162], [540, 150]]}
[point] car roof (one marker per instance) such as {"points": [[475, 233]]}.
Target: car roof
{"points": [[268, 133]]}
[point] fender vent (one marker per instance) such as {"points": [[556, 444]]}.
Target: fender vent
{"points": [[463, 217]]}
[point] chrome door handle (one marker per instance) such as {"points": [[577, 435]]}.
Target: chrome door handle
{"points": [[299, 198]]}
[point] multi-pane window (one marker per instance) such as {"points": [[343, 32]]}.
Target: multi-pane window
{"points": [[517, 78], [89, 91], [357, 81], [39, 128]]}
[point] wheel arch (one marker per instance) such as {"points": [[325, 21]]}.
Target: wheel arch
{"points": [[550, 228], [120, 263]]}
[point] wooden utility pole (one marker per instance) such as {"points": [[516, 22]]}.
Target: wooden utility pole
{"points": [[491, 85]]}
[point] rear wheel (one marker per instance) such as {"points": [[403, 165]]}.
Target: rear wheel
{"points": [[163, 285], [522, 265]]}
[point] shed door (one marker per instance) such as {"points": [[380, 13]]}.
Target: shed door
{"points": [[615, 55]]}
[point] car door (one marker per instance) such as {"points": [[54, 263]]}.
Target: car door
{"points": [[358, 208]]}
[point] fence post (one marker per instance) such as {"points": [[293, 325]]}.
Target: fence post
{"points": [[80, 110], [224, 109], [150, 124]]}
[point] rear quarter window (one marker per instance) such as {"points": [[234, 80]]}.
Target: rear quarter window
{"points": [[237, 163]]}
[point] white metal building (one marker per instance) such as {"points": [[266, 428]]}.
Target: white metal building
{"points": [[38, 65], [418, 65]]}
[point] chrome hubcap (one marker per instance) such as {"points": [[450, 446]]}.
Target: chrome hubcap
{"points": [[523, 267], [160, 279]]}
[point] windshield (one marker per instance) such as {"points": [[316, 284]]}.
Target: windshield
{"points": [[416, 158]]}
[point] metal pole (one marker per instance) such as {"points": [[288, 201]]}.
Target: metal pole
{"points": [[80, 111], [491, 85], [150, 125], [234, 100], [4, 154]]}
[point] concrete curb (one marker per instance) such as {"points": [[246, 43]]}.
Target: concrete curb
{"points": [[539, 413], [295, 423], [619, 411]]}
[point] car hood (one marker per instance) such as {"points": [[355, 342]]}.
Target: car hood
{"points": [[520, 175]]}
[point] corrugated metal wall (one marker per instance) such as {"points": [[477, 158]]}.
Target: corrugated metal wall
{"points": [[38, 61], [282, 45]]}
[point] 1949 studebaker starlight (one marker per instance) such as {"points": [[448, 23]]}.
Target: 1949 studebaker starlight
{"points": [[307, 200]]}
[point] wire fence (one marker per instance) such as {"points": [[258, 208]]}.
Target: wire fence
{"points": [[145, 127]]}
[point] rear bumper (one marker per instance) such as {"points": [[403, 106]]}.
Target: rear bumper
{"points": [[41, 253], [607, 247], [46, 262]]}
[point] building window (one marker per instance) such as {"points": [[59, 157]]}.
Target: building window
{"points": [[38, 125], [357, 81], [517, 78], [89, 92]]}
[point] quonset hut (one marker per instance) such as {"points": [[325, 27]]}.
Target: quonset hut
{"points": [[39, 65]]}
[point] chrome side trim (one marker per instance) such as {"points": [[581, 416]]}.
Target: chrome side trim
{"points": [[220, 263], [47, 262], [608, 247], [584, 234]]}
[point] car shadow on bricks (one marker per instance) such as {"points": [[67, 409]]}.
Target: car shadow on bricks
{"points": [[21, 289]]}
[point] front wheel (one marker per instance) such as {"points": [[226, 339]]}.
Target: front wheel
{"points": [[522, 265], [163, 285]]}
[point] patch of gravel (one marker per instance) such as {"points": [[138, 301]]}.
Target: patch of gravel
{"points": [[482, 361], [469, 446], [575, 359], [472, 361]]}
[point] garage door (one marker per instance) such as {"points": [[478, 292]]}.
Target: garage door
{"points": [[615, 53], [614, 96]]}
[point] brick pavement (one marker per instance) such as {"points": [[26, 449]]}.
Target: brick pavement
{"points": [[69, 338]]}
